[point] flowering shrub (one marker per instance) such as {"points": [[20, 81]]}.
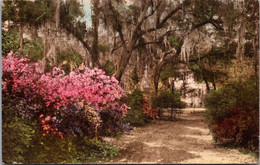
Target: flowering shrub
{"points": [[141, 111], [148, 111], [233, 114], [54, 94], [240, 129]]}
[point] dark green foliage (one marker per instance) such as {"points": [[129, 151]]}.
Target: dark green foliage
{"points": [[33, 49], [71, 57], [70, 12], [90, 150], [232, 113], [103, 48], [48, 67], [9, 41], [168, 71], [50, 149], [204, 10], [218, 57], [243, 95], [168, 99], [33, 13], [109, 68], [23, 142], [8, 11], [135, 115], [135, 76], [73, 149], [16, 135], [112, 123], [173, 41]]}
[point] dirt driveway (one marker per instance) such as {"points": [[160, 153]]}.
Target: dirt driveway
{"points": [[184, 140]]}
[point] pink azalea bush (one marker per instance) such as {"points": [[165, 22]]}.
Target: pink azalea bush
{"points": [[90, 88]]}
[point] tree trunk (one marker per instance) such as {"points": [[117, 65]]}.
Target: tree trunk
{"points": [[20, 27], [205, 79], [256, 46], [214, 84], [122, 65], [21, 39], [156, 78], [241, 39], [57, 14], [172, 85], [126, 57], [95, 25], [156, 74]]}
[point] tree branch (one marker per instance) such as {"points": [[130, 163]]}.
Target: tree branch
{"points": [[165, 19]]}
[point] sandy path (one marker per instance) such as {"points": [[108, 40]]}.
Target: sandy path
{"points": [[185, 140]]}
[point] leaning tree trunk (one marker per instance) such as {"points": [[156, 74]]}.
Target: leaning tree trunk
{"points": [[205, 80]]}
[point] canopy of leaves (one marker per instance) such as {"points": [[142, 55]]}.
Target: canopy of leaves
{"points": [[169, 70], [9, 41], [70, 13], [29, 12]]}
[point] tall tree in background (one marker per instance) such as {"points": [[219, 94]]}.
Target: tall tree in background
{"points": [[156, 30], [95, 26], [57, 13]]}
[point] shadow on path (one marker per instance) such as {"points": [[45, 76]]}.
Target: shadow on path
{"points": [[184, 140]]}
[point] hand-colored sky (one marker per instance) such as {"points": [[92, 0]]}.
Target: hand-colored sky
{"points": [[87, 8]]}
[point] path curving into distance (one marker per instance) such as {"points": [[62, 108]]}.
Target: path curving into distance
{"points": [[187, 139]]}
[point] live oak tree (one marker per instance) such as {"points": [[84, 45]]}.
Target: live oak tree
{"points": [[152, 26]]}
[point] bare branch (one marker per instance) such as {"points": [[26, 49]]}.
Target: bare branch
{"points": [[165, 19]]}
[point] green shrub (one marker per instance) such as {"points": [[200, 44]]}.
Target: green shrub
{"points": [[243, 95], [135, 115], [112, 123], [16, 135], [73, 149], [135, 76], [23, 142], [169, 70], [51, 149], [90, 150], [33, 49], [10, 41], [168, 99], [71, 57], [233, 114], [109, 68]]}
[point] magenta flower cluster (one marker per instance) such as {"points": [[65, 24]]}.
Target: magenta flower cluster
{"points": [[90, 87]]}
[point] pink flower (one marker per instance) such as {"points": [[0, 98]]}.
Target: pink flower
{"points": [[92, 87]]}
